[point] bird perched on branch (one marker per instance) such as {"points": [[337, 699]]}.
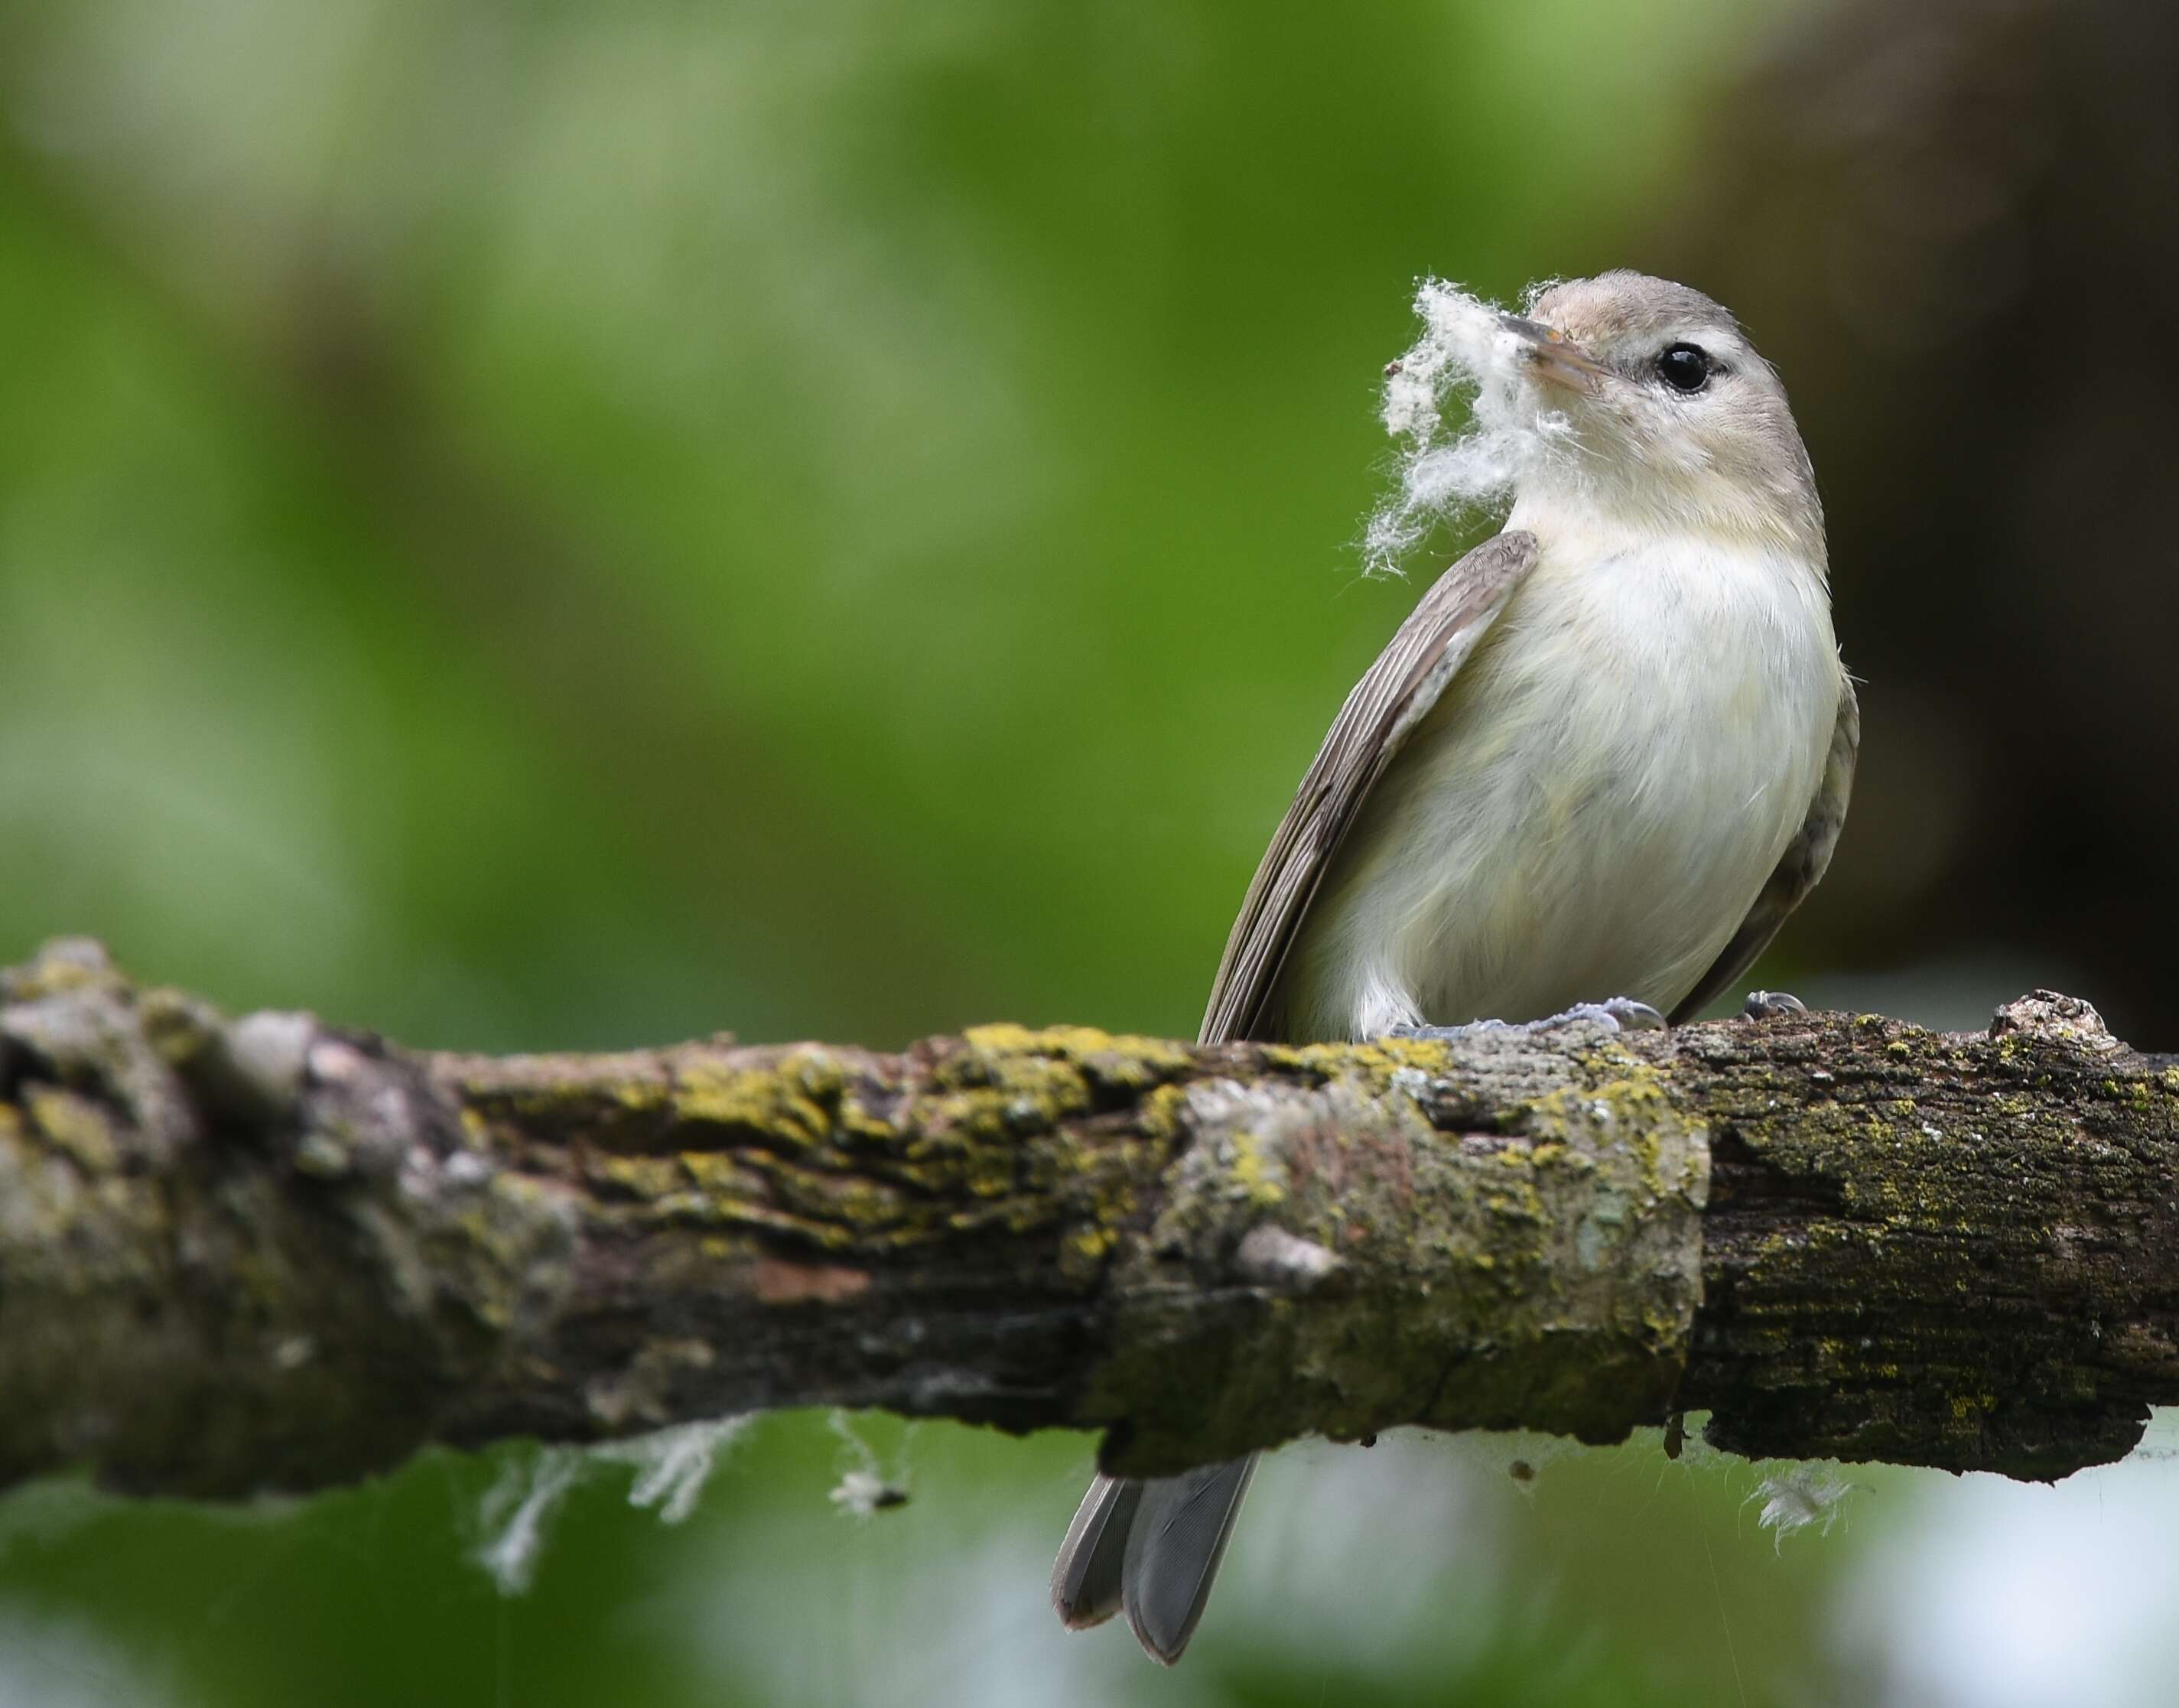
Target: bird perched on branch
{"points": [[1586, 782]]}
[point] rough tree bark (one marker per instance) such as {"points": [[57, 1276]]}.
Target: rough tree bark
{"points": [[237, 1254]]}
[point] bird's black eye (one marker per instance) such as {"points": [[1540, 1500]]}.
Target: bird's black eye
{"points": [[1685, 367]]}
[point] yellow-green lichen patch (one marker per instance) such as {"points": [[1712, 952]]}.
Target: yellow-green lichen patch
{"points": [[2137, 1094], [1162, 1115], [857, 1124], [77, 1127], [1013, 1131], [764, 1105], [859, 1205], [1369, 1066], [1006, 1038], [56, 973], [647, 1178], [1537, 1238], [1623, 1105], [1259, 1180], [639, 1094], [178, 1026], [1517, 1200], [1115, 1061], [1083, 1252]]}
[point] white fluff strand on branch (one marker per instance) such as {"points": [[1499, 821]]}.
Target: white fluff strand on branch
{"points": [[672, 1466], [1798, 1497], [1466, 352]]}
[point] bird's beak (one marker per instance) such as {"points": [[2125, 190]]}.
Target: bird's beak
{"points": [[1559, 360]]}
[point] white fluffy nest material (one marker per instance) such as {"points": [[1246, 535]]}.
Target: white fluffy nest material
{"points": [[1466, 354]]}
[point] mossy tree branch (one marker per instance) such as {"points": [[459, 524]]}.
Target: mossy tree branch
{"points": [[259, 1253]]}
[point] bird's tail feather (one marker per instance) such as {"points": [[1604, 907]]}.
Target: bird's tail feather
{"points": [[1085, 1578], [1151, 1547]]}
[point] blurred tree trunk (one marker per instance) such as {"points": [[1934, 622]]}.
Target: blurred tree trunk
{"points": [[1950, 226]]}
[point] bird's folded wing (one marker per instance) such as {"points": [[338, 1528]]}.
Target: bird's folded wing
{"points": [[1393, 695], [1799, 868]]}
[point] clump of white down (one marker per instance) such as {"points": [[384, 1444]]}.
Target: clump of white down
{"points": [[1799, 1498], [672, 1467], [1466, 353]]}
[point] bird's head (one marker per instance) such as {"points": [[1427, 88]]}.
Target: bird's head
{"points": [[1671, 419]]}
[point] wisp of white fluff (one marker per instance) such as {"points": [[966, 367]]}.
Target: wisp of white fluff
{"points": [[1798, 1497], [864, 1489], [1465, 352], [672, 1466]]}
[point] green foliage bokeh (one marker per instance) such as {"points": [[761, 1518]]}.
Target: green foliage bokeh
{"points": [[576, 526]]}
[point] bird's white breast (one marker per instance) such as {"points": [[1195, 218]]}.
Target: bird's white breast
{"points": [[1594, 805]]}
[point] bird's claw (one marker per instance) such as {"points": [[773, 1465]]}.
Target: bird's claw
{"points": [[1615, 1014], [1769, 1005]]}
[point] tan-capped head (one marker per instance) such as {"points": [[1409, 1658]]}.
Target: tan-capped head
{"points": [[1672, 414]]}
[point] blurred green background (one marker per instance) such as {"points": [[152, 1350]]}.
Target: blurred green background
{"points": [[571, 525]]}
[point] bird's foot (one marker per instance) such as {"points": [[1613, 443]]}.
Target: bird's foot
{"points": [[1616, 1015], [1768, 1005]]}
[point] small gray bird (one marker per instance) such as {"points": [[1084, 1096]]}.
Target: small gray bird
{"points": [[1607, 754]]}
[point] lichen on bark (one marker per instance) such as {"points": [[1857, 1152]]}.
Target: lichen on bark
{"points": [[251, 1253]]}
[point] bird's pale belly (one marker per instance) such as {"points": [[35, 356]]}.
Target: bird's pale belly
{"points": [[1589, 814]]}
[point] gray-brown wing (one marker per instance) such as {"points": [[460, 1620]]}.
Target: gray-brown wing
{"points": [[1799, 869], [1391, 697]]}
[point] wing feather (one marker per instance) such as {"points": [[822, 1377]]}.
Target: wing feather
{"points": [[1393, 695], [1799, 869]]}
